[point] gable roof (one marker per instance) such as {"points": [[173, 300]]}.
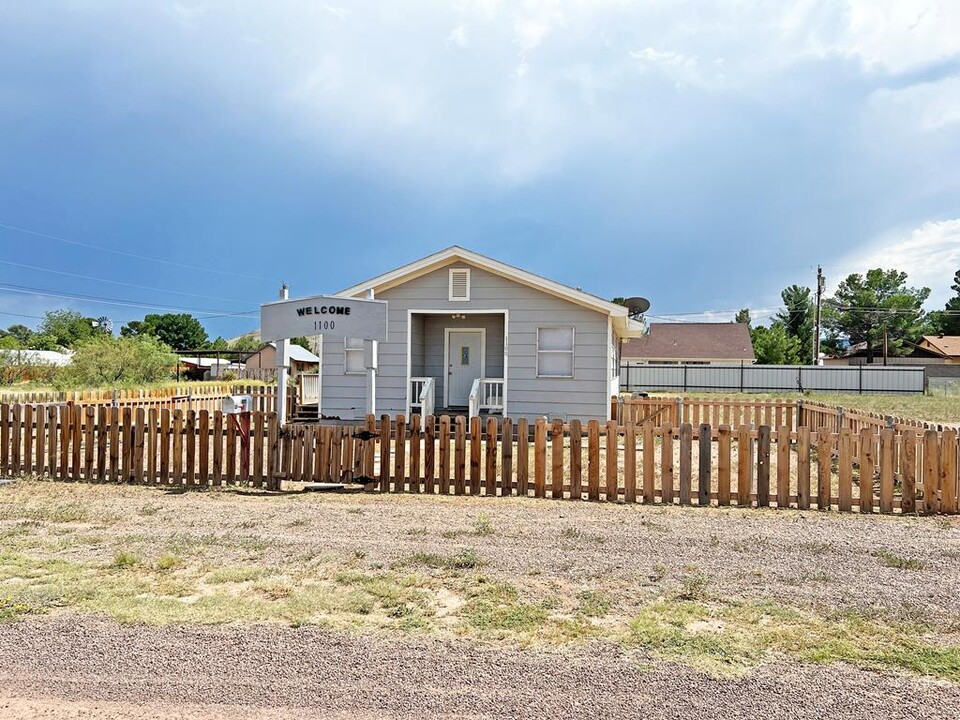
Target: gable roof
{"points": [[946, 345], [625, 326], [692, 341], [298, 353]]}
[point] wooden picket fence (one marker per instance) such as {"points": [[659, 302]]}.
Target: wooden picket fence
{"points": [[184, 397], [906, 472], [753, 413]]}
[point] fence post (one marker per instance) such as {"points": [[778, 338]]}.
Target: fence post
{"points": [[800, 418], [839, 417], [679, 419]]}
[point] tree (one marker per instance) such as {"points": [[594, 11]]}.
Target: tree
{"points": [[774, 345], [797, 318], [181, 331], [743, 317], [9, 342], [219, 344], [867, 306], [947, 321], [302, 342], [22, 333], [66, 328], [246, 343], [108, 360]]}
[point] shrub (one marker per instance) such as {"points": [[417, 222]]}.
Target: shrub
{"points": [[107, 360]]}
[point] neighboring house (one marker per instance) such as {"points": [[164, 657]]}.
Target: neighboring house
{"points": [[301, 359], [208, 368], [691, 343], [35, 357], [465, 324], [932, 351], [946, 347]]}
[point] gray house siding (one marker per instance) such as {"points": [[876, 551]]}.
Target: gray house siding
{"points": [[582, 396]]}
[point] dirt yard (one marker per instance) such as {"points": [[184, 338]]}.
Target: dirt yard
{"points": [[147, 602]]}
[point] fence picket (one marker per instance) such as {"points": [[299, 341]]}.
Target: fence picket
{"points": [[868, 456], [399, 454], [445, 457], [556, 465], [26, 463], [649, 478], [666, 464], [506, 458], [723, 470], [744, 446], [763, 466], [490, 471], [845, 471], [414, 472], [385, 451], [629, 463], [429, 454], [593, 460], [931, 471], [460, 456], [948, 471], [576, 460], [611, 463], [783, 467], [887, 453], [686, 463], [540, 458], [803, 468], [523, 457]]}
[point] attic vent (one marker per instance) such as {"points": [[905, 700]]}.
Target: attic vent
{"points": [[459, 284]]}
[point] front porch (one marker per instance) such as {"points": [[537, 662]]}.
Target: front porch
{"points": [[457, 362]]}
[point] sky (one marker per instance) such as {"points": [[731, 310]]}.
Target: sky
{"points": [[192, 155]]}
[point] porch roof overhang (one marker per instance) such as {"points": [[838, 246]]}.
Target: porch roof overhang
{"points": [[623, 324]]}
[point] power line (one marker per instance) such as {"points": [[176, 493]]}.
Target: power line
{"points": [[119, 302], [124, 253], [114, 282]]}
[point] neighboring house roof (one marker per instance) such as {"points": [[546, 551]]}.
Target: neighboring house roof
{"points": [[692, 341], [945, 345], [42, 357], [209, 362], [299, 353], [625, 326]]}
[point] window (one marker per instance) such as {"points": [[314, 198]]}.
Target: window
{"points": [[555, 352], [459, 284], [353, 356]]}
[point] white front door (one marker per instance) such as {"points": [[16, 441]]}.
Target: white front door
{"points": [[464, 364]]}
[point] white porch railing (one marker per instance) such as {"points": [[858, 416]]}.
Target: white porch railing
{"points": [[423, 394], [309, 388], [487, 394]]}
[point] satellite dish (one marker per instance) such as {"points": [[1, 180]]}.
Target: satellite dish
{"points": [[637, 306]]}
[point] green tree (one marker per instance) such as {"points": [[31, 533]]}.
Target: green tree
{"points": [[67, 328], [866, 306], [775, 345], [302, 342], [181, 331], [219, 344], [105, 360], [797, 318], [22, 333], [246, 343], [947, 321], [743, 317], [9, 342]]}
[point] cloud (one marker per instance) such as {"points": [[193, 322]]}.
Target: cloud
{"points": [[458, 36], [929, 254], [681, 69]]}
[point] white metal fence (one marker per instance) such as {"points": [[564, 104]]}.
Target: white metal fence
{"points": [[771, 378]]}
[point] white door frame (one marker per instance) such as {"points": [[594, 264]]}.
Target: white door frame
{"points": [[449, 311], [446, 356]]}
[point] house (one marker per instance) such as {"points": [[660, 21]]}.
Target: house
{"points": [[208, 368], [691, 343], [301, 360], [465, 330], [946, 347]]}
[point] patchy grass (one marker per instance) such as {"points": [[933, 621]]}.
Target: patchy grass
{"points": [[463, 559], [892, 560], [729, 638], [125, 559]]}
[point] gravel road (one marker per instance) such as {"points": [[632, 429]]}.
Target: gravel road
{"points": [[69, 667]]}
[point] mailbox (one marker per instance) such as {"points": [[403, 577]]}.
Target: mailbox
{"points": [[236, 404]]}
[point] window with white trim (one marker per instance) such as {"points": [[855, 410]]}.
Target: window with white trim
{"points": [[353, 356], [460, 284], [555, 352]]}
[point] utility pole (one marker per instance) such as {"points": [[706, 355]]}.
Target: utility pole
{"points": [[821, 283], [283, 367]]}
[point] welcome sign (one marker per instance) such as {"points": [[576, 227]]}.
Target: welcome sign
{"points": [[324, 315]]}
